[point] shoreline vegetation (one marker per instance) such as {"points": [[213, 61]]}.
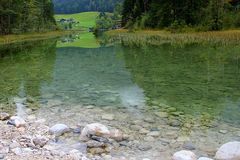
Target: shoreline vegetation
{"points": [[158, 37], [15, 38]]}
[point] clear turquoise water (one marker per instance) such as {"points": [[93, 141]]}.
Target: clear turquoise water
{"points": [[196, 80]]}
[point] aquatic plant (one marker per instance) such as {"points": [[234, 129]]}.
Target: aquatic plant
{"points": [[155, 38]]}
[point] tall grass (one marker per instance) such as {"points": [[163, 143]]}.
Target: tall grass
{"points": [[152, 37], [7, 39]]}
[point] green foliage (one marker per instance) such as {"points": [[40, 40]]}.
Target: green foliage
{"points": [[200, 14], [26, 16], [76, 6]]}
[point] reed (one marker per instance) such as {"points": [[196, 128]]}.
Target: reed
{"points": [[8, 39], [154, 37]]}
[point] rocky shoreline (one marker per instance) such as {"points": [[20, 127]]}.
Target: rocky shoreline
{"points": [[31, 138]]}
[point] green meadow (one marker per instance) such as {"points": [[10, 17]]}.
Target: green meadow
{"points": [[85, 19]]}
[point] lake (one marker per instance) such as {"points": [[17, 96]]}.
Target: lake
{"points": [[164, 98]]}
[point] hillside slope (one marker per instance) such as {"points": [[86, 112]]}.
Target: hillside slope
{"points": [[76, 6]]}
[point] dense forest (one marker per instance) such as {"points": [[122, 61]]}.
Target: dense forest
{"points": [[76, 6], [202, 14], [26, 16]]}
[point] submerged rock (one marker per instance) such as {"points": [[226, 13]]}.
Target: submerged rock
{"points": [[4, 116], [96, 129], [229, 151], [59, 129], [17, 121], [109, 117], [184, 155], [189, 146]]}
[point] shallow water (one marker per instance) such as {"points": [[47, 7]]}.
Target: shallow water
{"points": [[196, 86]]}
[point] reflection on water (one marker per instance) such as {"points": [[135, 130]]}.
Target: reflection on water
{"points": [[193, 79]]}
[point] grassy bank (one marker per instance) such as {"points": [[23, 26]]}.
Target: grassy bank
{"points": [[152, 37], [7, 39]]}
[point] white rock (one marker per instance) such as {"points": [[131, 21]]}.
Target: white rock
{"points": [[17, 121], [75, 154], [116, 135], [96, 129], [204, 158], [154, 134], [184, 155], [17, 151], [229, 151], [59, 129]]}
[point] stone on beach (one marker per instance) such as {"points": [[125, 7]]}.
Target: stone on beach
{"points": [[229, 151], [59, 129], [184, 155], [96, 129], [17, 121], [4, 116]]}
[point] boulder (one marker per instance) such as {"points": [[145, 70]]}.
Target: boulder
{"points": [[17, 121], [229, 151], [184, 155], [94, 129], [59, 129], [4, 116]]}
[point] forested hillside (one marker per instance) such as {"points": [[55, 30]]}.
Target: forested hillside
{"points": [[76, 6], [20, 16], [204, 14]]}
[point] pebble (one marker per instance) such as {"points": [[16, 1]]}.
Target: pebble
{"points": [[144, 147], [154, 134], [2, 156], [204, 158], [59, 129], [184, 155], [183, 139], [108, 117], [17, 151], [96, 150], [149, 120], [149, 139], [136, 127], [95, 144], [162, 114], [40, 141], [17, 121], [4, 116], [144, 131], [223, 131], [189, 146], [95, 129]]}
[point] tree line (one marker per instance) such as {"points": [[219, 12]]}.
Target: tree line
{"points": [[26, 16], [201, 14], [76, 6]]}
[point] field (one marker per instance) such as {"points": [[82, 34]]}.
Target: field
{"points": [[85, 19], [158, 37]]}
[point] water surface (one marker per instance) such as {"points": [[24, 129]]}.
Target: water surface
{"points": [[193, 84]]}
